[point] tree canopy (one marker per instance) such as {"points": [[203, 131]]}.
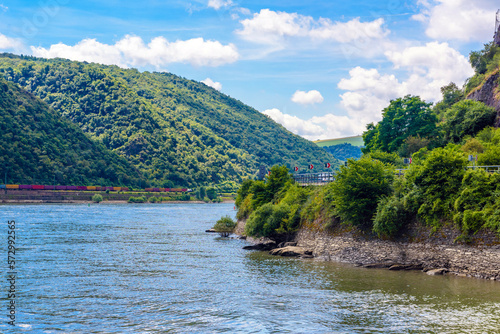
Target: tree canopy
{"points": [[404, 117]]}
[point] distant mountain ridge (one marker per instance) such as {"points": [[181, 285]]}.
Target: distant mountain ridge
{"points": [[175, 131]]}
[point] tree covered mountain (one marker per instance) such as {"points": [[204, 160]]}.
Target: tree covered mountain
{"points": [[38, 146], [175, 131]]}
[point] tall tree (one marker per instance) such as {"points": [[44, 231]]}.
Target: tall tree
{"points": [[404, 117]]}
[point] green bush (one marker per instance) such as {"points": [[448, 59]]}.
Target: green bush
{"points": [[391, 216], [152, 199], [97, 198], [467, 118], [140, 199], [438, 178], [245, 207], [225, 226], [272, 221], [359, 187]]}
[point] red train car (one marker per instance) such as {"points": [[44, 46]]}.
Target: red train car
{"points": [[81, 188], [37, 187]]}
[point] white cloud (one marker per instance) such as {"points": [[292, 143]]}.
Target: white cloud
{"points": [[270, 27], [217, 4], [463, 20], [4, 8], [323, 127], [306, 129], [310, 97], [132, 51], [345, 32], [425, 69], [215, 85], [9, 43], [274, 27]]}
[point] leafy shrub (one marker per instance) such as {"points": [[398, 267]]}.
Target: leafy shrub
{"points": [[467, 117], [358, 188], [225, 226], [391, 216], [153, 199], [475, 199], [272, 221], [140, 199], [97, 198], [438, 178], [490, 157], [245, 207]]}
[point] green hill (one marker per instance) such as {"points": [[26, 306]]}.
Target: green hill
{"points": [[38, 146], [354, 141], [175, 131]]}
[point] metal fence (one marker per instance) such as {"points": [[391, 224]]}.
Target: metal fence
{"points": [[314, 178]]}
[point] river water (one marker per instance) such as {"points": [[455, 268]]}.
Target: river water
{"points": [[151, 268]]}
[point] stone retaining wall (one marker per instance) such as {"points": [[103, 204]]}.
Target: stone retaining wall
{"points": [[471, 261]]}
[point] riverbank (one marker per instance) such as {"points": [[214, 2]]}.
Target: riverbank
{"points": [[419, 249], [84, 197]]}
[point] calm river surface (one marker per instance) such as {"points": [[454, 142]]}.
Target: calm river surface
{"points": [[151, 268]]}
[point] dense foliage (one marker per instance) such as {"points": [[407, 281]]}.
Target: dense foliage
{"points": [[177, 132], [441, 186], [358, 188], [404, 117], [38, 146]]}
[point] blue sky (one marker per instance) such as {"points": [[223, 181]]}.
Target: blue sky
{"points": [[323, 69]]}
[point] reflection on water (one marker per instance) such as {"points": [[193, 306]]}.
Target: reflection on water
{"points": [[152, 269]]}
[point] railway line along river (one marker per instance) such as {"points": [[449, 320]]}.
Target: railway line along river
{"points": [[151, 268]]}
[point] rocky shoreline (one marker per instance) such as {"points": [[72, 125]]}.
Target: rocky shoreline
{"points": [[432, 253]]}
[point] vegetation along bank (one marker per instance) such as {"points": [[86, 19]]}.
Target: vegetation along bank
{"points": [[440, 214]]}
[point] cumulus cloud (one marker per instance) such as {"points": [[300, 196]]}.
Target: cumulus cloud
{"points": [[458, 19], [218, 4], [317, 127], [215, 85], [271, 27], [9, 43], [425, 69], [132, 51], [306, 129], [3, 7], [310, 97]]}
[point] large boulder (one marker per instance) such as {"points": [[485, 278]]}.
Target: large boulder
{"points": [[291, 251], [265, 246]]}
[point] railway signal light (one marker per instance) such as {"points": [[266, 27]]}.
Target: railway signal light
{"points": [[311, 166], [328, 165]]}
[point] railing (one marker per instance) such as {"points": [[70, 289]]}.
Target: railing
{"points": [[489, 169], [314, 178]]}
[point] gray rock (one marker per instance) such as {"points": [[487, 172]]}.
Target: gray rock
{"points": [[262, 246], [291, 251], [435, 272]]}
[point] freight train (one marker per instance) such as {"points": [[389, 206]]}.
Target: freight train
{"points": [[84, 188]]}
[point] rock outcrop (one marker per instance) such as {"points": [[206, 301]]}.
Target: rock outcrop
{"points": [[488, 94]]}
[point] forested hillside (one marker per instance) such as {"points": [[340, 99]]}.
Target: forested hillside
{"points": [[38, 146], [175, 131]]}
